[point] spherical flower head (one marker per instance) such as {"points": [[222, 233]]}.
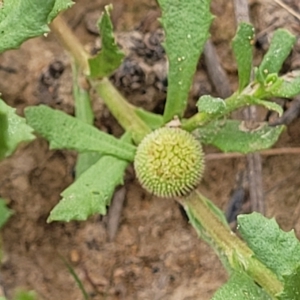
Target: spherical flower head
{"points": [[169, 162]]}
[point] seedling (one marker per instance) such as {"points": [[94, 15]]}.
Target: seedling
{"points": [[263, 269]]}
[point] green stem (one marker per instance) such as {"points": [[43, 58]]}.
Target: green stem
{"points": [[123, 111], [70, 42], [234, 102], [239, 256], [83, 104]]}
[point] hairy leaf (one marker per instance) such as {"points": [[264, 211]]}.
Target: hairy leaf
{"points": [[237, 136], [211, 105], [110, 57], [242, 48], [290, 86], [291, 285], [21, 20], [91, 192], [13, 130], [278, 250], [64, 131], [268, 104], [186, 24], [240, 286], [280, 47]]}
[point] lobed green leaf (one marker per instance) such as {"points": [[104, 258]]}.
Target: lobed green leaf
{"points": [[280, 47], [242, 49], [186, 25], [13, 130], [237, 136], [64, 131], [278, 250], [91, 192], [240, 286], [21, 20], [110, 57]]}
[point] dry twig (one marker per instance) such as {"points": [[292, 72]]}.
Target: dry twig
{"points": [[114, 213], [215, 71], [254, 159], [288, 9]]}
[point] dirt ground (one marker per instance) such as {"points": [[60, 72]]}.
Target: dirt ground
{"points": [[155, 254]]}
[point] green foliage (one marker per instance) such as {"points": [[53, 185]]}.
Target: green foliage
{"points": [[278, 250], [67, 132], [91, 192], [240, 286], [267, 104], [211, 105], [242, 48], [83, 112], [291, 285], [110, 57], [13, 130], [154, 121], [21, 20], [289, 86], [186, 25], [238, 136], [280, 47], [5, 212]]}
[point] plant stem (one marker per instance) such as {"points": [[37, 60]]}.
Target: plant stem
{"points": [[123, 111], [117, 104], [225, 242], [234, 102], [70, 42]]}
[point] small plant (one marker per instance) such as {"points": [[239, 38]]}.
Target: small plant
{"points": [[169, 161]]}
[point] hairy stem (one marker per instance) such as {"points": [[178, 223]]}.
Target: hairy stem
{"points": [[227, 244], [234, 102]]}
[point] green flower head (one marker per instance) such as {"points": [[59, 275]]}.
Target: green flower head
{"points": [[169, 162]]}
